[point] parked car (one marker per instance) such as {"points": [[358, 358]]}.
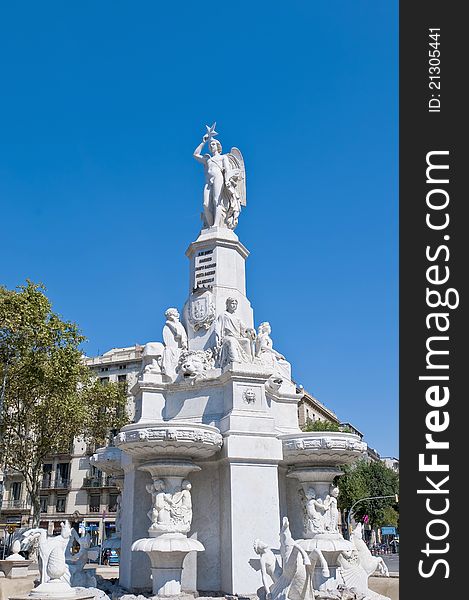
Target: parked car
{"points": [[113, 558]]}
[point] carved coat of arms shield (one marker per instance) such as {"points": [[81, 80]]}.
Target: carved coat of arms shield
{"points": [[201, 311]]}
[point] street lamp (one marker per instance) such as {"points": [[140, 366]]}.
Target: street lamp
{"points": [[349, 516]]}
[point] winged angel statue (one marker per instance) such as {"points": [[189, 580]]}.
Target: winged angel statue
{"points": [[225, 182]]}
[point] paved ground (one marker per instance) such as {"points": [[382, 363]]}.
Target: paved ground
{"points": [[392, 562]]}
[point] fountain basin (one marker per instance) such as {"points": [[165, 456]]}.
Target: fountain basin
{"points": [[108, 459], [322, 448], [167, 542], [151, 439]]}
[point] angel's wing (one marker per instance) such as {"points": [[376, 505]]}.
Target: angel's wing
{"points": [[237, 165]]}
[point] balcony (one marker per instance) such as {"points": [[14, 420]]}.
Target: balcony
{"points": [[62, 484], [58, 484], [15, 505], [99, 482]]}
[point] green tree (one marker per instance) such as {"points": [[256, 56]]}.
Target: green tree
{"points": [[48, 395], [319, 425], [363, 480]]}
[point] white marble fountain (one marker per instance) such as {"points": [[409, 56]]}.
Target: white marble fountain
{"points": [[215, 458]]}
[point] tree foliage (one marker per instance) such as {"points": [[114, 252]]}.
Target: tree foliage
{"points": [[320, 425], [363, 480], [48, 395]]}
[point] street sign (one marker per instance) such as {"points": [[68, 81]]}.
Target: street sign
{"points": [[388, 531]]}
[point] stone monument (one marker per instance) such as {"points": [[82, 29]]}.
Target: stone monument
{"points": [[215, 455]]}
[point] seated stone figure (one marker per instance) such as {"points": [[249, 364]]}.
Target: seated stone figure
{"points": [[234, 338], [267, 355]]}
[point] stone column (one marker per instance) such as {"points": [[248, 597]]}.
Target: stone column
{"points": [[250, 506], [249, 485], [168, 545], [153, 452]]}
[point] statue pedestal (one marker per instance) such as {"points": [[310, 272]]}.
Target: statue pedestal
{"points": [[217, 272], [167, 552], [55, 590], [167, 545], [14, 569]]}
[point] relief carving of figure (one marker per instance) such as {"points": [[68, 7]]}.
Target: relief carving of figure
{"points": [[331, 515], [314, 509], [234, 339], [181, 506], [175, 341], [159, 514], [225, 182], [266, 353], [170, 512]]}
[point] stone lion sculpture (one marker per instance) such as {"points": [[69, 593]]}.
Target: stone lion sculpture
{"points": [[194, 364]]}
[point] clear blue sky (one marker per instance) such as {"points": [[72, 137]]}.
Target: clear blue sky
{"points": [[102, 104]]}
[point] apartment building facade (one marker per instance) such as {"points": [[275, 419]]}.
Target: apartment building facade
{"points": [[71, 487]]}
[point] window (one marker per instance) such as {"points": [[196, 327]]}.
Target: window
{"points": [[104, 380], [104, 369], [95, 501], [62, 475], [122, 367], [16, 490], [113, 502], [122, 378], [95, 472], [44, 500], [60, 506], [46, 475]]}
